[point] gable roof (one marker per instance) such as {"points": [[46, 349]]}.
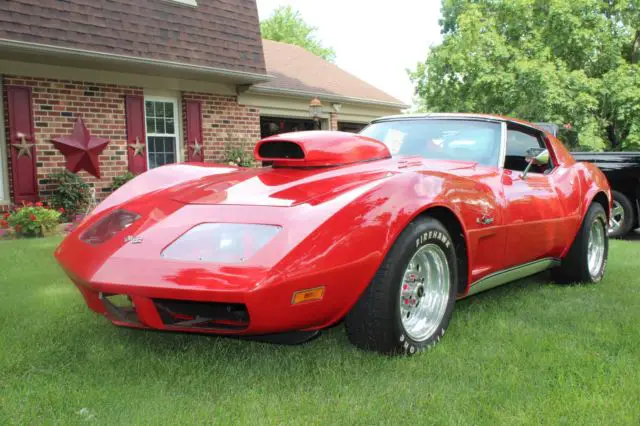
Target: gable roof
{"points": [[298, 72], [214, 35]]}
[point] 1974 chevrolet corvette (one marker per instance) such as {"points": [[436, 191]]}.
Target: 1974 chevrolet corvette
{"points": [[384, 230]]}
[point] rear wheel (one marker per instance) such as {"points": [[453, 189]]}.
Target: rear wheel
{"points": [[622, 215], [407, 306], [586, 260]]}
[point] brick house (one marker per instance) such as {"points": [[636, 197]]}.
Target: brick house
{"points": [[162, 80]]}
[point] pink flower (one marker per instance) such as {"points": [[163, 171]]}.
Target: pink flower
{"points": [[33, 218], [38, 204]]}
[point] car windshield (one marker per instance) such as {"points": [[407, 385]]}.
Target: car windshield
{"points": [[447, 139]]}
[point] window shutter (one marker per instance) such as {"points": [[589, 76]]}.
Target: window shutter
{"points": [[195, 147], [136, 137], [22, 146]]}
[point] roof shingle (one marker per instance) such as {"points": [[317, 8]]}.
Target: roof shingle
{"points": [[294, 68], [217, 33]]}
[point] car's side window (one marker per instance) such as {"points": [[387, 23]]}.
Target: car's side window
{"points": [[519, 142]]}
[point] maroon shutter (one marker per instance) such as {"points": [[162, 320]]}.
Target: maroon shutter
{"points": [[195, 148], [136, 135], [22, 144]]}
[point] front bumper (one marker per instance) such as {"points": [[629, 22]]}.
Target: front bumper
{"points": [[221, 305]]}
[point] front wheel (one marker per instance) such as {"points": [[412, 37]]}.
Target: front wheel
{"points": [[407, 306], [586, 260]]}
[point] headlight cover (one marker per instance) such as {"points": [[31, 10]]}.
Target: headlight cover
{"points": [[221, 242], [104, 229]]}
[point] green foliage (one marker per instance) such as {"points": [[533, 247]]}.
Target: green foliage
{"points": [[32, 220], [118, 181], [71, 193], [554, 61], [237, 155], [286, 25]]}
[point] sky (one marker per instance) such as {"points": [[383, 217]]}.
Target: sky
{"points": [[375, 43]]}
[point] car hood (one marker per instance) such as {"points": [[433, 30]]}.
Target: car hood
{"points": [[287, 187]]}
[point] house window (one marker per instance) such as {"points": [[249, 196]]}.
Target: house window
{"points": [[162, 131]]}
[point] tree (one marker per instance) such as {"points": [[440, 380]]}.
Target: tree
{"points": [[286, 25], [541, 60]]}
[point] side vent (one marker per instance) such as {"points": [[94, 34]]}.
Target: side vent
{"points": [[281, 149]]}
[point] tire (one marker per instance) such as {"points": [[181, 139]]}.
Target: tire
{"points": [[624, 212], [577, 267], [381, 319]]}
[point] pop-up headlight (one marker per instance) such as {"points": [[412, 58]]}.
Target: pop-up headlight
{"points": [[221, 242], [108, 226]]}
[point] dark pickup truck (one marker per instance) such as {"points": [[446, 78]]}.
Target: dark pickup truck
{"points": [[622, 169]]}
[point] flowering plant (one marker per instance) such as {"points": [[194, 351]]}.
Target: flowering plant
{"points": [[31, 220]]}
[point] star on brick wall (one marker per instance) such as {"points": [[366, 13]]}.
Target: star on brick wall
{"points": [[81, 150]]}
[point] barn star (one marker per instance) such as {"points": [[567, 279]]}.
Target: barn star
{"points": [[81, 150]]}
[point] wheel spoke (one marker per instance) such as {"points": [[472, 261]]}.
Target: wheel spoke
{"points": [[424, 292]]}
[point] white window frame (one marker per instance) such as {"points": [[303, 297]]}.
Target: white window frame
{"points": [[177, 125]]}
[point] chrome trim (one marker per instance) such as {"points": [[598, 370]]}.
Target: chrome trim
{"points": [[503, 145], [457, 116], [511, 274]]}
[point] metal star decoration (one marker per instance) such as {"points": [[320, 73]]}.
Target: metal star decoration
{"points": [[138, 147], [197, 148], [23, 147], [81, 149]]}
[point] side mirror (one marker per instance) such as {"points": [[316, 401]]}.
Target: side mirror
{"points": [[536, 156]]}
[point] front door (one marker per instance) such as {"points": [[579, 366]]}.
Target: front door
{"points": [[533, 213]]}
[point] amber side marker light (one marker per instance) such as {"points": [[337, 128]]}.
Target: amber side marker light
{"points": [[307, 295]]}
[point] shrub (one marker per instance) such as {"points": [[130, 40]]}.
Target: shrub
{"points": [[118, 181], [237, 156], [71, 193], [32, 220]]}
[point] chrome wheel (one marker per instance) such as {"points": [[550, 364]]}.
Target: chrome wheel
{"points": [[617, 217], [424, 293], [596, 247]]}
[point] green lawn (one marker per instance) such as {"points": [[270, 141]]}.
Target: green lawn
{"points": [[530, 352]]}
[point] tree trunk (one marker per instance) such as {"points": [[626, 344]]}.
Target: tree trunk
{"points": [[635, 49]]}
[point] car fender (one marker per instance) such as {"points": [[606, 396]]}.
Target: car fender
{"points": [[344, 253]]}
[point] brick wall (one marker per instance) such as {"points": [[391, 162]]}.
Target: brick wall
{"points": [[57, 104], [224, 121]]}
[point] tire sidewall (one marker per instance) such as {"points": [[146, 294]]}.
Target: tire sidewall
{"points": [[428, 232]]}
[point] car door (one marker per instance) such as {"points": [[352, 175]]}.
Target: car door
{"points": [[533, 214]]}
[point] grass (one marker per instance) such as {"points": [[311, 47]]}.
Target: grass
{"points": [[527, 353]]}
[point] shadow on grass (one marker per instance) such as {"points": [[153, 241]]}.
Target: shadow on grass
{"points": [[331, 341]]}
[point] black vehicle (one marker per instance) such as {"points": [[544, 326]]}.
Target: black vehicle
{"points": [[622, 169]]}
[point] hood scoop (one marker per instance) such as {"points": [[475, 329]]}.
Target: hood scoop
{"points": [[319, 149]]}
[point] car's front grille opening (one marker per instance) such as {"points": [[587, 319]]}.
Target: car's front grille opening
{"points": [[120, 307], [207, 315]]}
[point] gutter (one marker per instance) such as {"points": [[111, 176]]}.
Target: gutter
{"points": [[324, 96], [68, 53]]}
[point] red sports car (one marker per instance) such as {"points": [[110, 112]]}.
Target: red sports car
{"points": [[384, 230]]}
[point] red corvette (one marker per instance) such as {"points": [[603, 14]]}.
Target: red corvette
{"points": [[384, 230]]}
